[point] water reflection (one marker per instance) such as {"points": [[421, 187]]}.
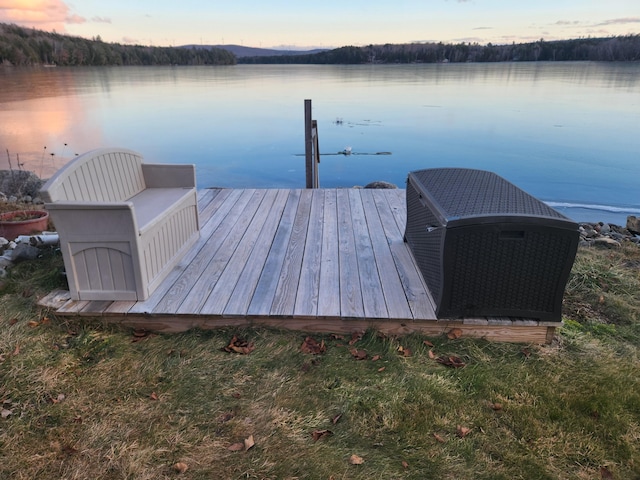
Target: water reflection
{"points": [[43, 119], [566, 132]]}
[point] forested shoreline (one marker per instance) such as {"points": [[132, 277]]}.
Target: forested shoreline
{"points": [[25, 47], [21, 46], [626, 48]]}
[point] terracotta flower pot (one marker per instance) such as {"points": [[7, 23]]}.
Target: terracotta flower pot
{"points": [[22, 222]]}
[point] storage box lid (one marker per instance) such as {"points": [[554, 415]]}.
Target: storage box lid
{"points": [[459, 195]]}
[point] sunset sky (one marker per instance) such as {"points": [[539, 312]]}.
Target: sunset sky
{"points": [[326, 23]]}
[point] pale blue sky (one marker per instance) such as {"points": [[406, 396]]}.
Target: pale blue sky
{"points": [[326, 23]]}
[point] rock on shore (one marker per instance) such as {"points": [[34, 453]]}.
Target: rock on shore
{"points": [[609, 235]]}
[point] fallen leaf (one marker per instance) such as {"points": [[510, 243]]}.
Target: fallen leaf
{"points": [[359, 354], [355, 336], [454, 333], [336, 418], [225, 417], [381, 369], [5, 413], [605, 473], [428, 343], [181, 467], [45, 320], [153, 396], [311, 345], [406, 352], [496, 406], [318, 434], [13, 321], [249, 442], [336, 337], [16, 351], [462, 431], [375, 358], [356, 460], [451, 361], [236, 447], [526, 352], [58, 399], [432, 355], [69, 450], [405, 464], [33, 323], [439, 438], [239, 345]]}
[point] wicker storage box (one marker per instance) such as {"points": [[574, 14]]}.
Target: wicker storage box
{"points": [[486, 247]]}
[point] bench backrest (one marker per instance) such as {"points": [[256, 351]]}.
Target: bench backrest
{"points": [[102, 175]]}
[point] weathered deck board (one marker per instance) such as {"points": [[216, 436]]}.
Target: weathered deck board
{"points": [[317, 260], [287, 289], [233, 268], [394, 294], [306, 304], [220, 251], [370, 285], [268, 282], [351, 303], [240, 299], [329, 288]]}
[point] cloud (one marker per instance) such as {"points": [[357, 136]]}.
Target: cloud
{"points": [[75, 19], [101, 20], [41, 14], [567, 22], [618, 21], [482, 28]]}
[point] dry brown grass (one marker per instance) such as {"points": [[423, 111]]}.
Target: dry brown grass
{"points": [[87, 401]]}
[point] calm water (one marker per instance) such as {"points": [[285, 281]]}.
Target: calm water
{"points": [[569, 133]]}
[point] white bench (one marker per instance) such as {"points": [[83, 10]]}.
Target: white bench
{"points": [[123, 224]]}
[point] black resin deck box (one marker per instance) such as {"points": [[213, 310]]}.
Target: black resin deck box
{"points": [[487, 248]]}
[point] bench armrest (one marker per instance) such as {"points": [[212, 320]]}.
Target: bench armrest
{"points": [[90, 219], [89, 206], [159, 175]]}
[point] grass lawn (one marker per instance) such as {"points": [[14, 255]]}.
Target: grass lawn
{"points": [[82, 400]]}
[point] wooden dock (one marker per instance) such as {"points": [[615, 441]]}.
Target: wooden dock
{"points": [[315, 260]]}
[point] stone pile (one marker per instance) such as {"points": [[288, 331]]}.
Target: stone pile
{"points": [[609, 235], [20, 186]]}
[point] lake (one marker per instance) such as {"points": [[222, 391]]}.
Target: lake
{"points": [[568, 133]]}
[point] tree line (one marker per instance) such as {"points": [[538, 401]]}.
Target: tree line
{"points": [[24, 46], [622, 48]]}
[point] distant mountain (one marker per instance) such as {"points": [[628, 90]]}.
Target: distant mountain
{"points": [[240, 51]]}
